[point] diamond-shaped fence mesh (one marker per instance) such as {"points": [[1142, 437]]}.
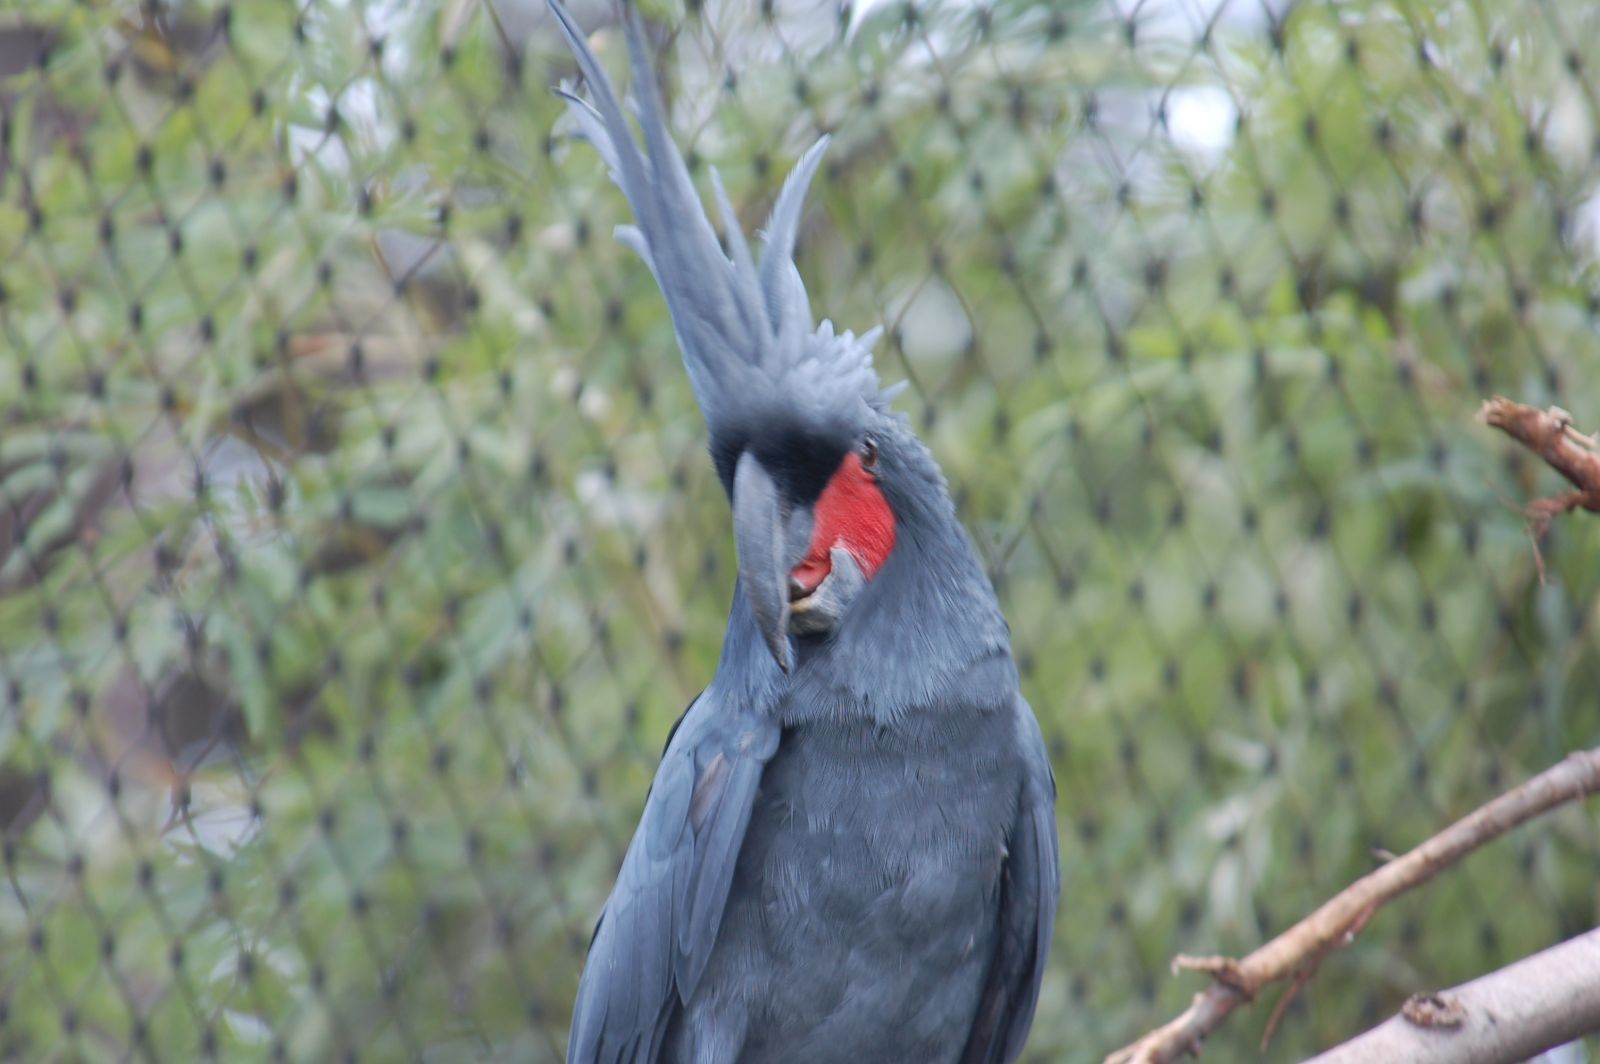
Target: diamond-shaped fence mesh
{"points": [[358, 545]]}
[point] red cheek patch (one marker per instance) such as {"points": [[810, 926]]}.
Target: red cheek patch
{"points": [[851, 513]]}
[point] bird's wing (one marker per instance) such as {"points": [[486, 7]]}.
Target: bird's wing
{"points": [[661, 920], [1030, 887]]}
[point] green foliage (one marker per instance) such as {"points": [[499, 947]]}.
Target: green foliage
{"points": [[358, 546]]}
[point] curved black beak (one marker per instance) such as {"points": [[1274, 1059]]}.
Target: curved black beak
{"points": [[758, 536]]}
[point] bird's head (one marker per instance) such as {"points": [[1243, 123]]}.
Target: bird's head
{"points": [[828, 488], [812, 524]]}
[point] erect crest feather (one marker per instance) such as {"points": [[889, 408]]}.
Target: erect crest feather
{"points": [[746, 331]]}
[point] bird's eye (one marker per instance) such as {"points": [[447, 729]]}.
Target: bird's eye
{"points": [[869, 454]]}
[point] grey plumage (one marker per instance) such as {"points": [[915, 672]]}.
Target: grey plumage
{"points": [[849, 850], [746, 330]]}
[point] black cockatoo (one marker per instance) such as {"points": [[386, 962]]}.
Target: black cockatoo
{"points": [[849, 850]]}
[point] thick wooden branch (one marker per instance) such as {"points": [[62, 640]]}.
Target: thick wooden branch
{"points": [[1299, 949], [1512, 1014]]}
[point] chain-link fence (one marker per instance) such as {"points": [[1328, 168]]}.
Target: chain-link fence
{"points": [[358, 545]]}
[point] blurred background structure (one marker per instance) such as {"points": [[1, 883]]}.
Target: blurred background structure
{"points": [[358, 545]]}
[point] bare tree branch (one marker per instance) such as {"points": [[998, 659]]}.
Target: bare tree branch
{"points": [[1302, 947], [1550, 435], [1508, 1015]]}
